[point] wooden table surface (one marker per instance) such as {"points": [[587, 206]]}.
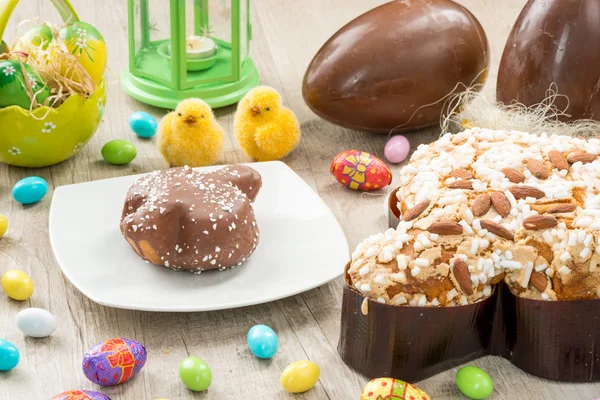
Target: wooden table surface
{"points": [[286, 36]]}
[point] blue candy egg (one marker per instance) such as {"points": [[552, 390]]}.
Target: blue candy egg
{"points": [[30, 190], [143, 124], [262, 341], [9, 355]]}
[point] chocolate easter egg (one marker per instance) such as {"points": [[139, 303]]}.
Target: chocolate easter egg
{"points": [[359, 170], [114, 361], [390, 388], [392, 67], [552, 42], [80, 395]]}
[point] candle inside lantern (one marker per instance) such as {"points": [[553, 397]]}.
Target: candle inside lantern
{"points": [[198, 47]]}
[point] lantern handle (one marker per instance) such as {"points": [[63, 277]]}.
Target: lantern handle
{"points": [[65, 9]]}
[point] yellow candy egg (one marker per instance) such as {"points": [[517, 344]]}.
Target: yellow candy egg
{"points": [[86, 43], [390, 388], [17, 285], [300, 376], [3, 225]]}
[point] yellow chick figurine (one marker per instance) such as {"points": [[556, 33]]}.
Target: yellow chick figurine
{"points": [[265, 129], [190, 135]]}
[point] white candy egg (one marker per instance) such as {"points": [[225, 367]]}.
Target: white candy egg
{"points": [[36, 322]]}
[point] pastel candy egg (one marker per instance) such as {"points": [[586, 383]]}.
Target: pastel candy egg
{"points": [[36, 322], [397, 149], [80, 395], [300, 376], [390, 388], [114, 361], [9, 355], [474, 382], [87, 45], [195, 374], [3, 225], [17, 285], [13, 91], [30, 190], [359, 170], [119, 152], [143, 124], [262, 341]]}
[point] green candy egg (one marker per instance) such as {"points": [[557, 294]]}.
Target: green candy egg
{"points": [[474, 382], [195, 374], [38, 36], [119, 152], [13, 90]]}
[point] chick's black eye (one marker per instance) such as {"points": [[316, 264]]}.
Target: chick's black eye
{"points": [[179, 114], [202, 116], [268, 108]]}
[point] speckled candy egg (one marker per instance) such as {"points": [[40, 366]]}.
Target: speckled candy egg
{"points": [[13, 91], [397, 149], [390, 388], [359, 170], [114, 361], [80, 395]]}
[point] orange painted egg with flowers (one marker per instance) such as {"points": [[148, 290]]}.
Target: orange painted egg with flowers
{"points": [[392, 389], [359, 170]]}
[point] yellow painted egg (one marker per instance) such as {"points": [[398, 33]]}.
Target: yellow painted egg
{"points": [[87, 44], [3, 225], [17, 285], [38, 36], [300, 376], [392, 389]]}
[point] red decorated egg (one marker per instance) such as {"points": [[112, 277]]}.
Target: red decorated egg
{"points": [[114, 361], [80, 395], [359, 170]]}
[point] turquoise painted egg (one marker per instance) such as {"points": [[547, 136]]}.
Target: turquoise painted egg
{"points": [[13, 86], [30, 190], [9, 355], [143, 124], [195, 374], [474, 382], [119, 152], [262, 341]]}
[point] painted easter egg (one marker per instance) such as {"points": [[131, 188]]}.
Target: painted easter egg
{"points": [[359, 170], [13, 86], [114, 361], [390, 388], [3, 225], [38, 36], [396, 149], [30, 190], [392, 67], [300, 376], [36, 322], [143, 124], [80, 395], [474, 382], [3, 50], [195, 374], [9, 355], [262, 341], [17, 285], [87, 44], [119, 152]]}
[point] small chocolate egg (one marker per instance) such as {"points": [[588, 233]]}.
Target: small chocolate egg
{"points": [[30, 190], [114, 361], [13, 89], [80, 395], [87, 44], [359, 170], [300, 376], [474, 382], [262, 341], [17, 285], [9, 355], [36, 322], [143, 124], [390, 388], [397, 149], [119, 152], [3, 225], [195, 374]]}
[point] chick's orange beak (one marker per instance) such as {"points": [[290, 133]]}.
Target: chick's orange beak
{"points": [[190, 119], [255, 110]]}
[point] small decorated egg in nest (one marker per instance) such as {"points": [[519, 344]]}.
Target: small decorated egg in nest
{"points": [[392, 389], [80, 395], [359, 170], [114, 361]]}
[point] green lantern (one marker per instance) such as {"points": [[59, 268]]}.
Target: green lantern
{"points": [[189, 48]]}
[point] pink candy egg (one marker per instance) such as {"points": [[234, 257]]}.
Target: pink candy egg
{"points": [[397, 149]]}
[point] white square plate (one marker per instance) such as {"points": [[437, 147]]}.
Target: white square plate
{"points": [[302, 246]]}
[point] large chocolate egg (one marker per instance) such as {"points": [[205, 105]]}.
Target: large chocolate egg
{"points": [[392, 67], [554, 42], [114, 361]]}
